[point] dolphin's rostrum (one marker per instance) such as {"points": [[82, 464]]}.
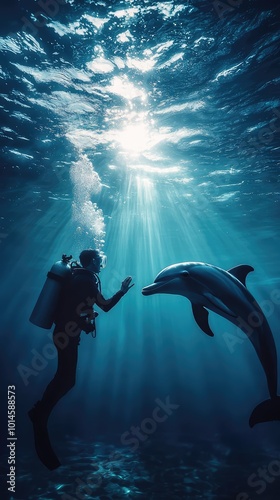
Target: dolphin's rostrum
{"points": [[225, 293]]}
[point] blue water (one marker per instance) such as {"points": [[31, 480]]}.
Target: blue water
{"points": [[149, 130]]}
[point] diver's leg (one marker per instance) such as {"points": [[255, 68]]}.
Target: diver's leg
{"points": [[64, 378], [62, 382]]}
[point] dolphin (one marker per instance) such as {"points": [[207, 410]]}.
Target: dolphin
{"points": [[225, 293]]}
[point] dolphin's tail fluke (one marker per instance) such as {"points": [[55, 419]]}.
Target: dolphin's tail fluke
{"points": [[266, 411]]}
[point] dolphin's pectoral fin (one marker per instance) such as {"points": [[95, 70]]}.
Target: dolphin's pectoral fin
{"points": [[241, 272], [266, 411], [201, 317], [218, 303]]}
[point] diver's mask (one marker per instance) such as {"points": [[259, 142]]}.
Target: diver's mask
{"points": [[103, 262]]}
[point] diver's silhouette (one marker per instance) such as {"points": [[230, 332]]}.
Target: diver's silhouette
{"points": [[75, 314]]}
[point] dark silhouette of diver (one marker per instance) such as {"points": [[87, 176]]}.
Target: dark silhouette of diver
{"points": [[75, 314]]}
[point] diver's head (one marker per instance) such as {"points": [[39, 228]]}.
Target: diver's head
{"points": [[93, 260]]}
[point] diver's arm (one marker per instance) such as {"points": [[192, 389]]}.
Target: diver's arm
{"points": [[107, 304]]}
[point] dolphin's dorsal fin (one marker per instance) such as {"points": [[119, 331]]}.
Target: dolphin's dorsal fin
{"points": [[240, 272], [201, 317]]}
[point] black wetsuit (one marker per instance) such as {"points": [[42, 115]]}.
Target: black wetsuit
{"points": [[74, 315]]}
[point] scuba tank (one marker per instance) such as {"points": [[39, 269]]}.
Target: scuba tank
{"points": [[45, 308]]}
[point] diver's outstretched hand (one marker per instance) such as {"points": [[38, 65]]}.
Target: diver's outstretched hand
{"points": [[126, 284]]}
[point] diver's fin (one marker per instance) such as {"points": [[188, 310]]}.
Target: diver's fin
{"points": [[266, 411], [41, 437], [43, 447], [241, 272], [201, 317], [218, 303]]}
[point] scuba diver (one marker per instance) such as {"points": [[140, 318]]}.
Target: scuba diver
{"points": [[75, 313]]}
